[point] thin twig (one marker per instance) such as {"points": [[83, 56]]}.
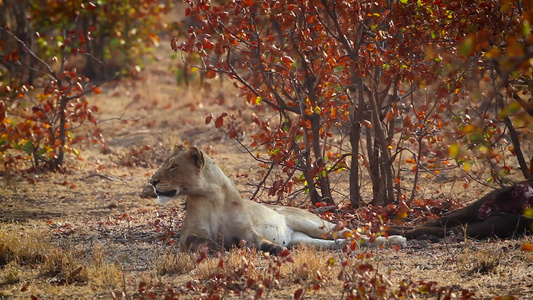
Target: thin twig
{"points": [[100, 175], [48, 67]]}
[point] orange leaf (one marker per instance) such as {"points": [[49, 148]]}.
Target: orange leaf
{"points": [[528, 247], [211, 74], [97, 90], [287, 60]]}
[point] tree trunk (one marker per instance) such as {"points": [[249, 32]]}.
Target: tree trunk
{"points": [[355, 138], [58, 161], [323, 178], [384, 184]]}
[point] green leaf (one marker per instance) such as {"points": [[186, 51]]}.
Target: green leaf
{"points": [[41, 151], [477, 137], [526, 28], [454, 150], [466, 46], [275, 151], [28, 147]]}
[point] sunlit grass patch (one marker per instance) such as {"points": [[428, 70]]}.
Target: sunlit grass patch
{"points": [[167, 261], [247, 271], [29, 256]]}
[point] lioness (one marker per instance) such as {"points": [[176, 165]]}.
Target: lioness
{"points": [[501, 213], [218, 217]]}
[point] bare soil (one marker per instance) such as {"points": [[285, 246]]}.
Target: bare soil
{"points": [[96, 204]]}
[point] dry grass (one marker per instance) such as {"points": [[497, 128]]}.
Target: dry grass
{"points": [[245, 273], [30, 260], [38, 262], [167, 261]]}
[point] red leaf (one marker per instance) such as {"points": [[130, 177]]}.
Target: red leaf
{"points": [[76, 272], [259, 293], [142, 287], [250, 282], [202, 255], [219, 122], [338, 227], [208, 118], [97, 90], [284, 253], [365, 267], [208, 45], [298, 293]]}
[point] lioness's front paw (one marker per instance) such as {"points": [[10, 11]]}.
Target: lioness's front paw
{"points": [[397, 240], [194, 243], [271, 248]]}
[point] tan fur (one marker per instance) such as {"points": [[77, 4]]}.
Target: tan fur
{"points": [[218, 216]]}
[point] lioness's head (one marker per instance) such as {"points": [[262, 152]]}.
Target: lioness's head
{"points": [[179, 174]]}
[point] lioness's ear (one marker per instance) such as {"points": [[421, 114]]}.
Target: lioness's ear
{"points": [[197, 156], [177, 149]]}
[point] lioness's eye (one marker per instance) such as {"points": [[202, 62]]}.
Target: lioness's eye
{"points": [[173, 166]]}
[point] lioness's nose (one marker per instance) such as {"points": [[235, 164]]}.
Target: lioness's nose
{"points": [[154, 182]]}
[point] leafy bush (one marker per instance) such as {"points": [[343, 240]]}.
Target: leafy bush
{"points": [[114, 36], [75, 41], [383, 89], [39, 124]]}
